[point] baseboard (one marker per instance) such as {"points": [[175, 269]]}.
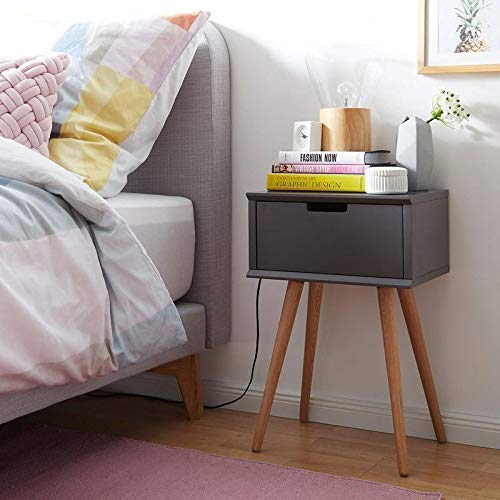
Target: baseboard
{"points": [[462, 428]]}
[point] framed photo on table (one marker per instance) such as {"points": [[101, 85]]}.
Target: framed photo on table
{"points": [[459, 36]]}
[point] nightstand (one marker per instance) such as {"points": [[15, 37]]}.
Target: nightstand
{"points": [[386, 241]]}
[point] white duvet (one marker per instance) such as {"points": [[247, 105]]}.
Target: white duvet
{"points": [[79, 297]]}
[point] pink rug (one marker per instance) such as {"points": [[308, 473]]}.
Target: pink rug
{"points": [[41, 462]]}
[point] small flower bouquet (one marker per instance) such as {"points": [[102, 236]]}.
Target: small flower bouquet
{"points": [[448, 109]]}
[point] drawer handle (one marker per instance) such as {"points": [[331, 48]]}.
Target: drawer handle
{"points": [[320, 206]]}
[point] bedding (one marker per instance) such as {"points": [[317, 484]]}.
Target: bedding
{"points": [[122, 83], [165, 227], [80, 298]]}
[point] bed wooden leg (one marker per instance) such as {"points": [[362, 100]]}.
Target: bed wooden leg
{"points": [[188, 375]]}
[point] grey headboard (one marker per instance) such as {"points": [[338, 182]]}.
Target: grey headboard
{"points": [[192, 158]]}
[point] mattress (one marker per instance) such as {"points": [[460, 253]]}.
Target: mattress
{"points": [[165, 227]]}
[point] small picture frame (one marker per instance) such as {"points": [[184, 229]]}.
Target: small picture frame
{"points": [[458, 36]]}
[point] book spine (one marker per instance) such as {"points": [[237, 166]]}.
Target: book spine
{"points": [[318, 182], [315, 157], [325, 168]]}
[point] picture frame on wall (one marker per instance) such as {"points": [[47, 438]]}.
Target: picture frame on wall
{"points": [[459, 36]]}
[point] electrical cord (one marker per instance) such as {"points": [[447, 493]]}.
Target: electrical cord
{"points": [[257, 340], [210, 407]]}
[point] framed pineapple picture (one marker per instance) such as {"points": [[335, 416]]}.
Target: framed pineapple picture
{"points": [[459, 36]]}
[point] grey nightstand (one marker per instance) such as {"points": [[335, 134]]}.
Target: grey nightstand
{"points": [[387, 241]]}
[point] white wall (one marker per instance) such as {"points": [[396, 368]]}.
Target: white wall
{"points": [[268, 41], [460, 312]]}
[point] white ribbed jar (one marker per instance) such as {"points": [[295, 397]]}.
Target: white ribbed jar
{"points": [[386, 180]]}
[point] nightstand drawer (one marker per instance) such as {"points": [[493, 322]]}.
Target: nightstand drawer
{"points": [[352, 238], [329, 237]]}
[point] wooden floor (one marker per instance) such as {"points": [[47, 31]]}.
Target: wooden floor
{"points": [[459, 471]]}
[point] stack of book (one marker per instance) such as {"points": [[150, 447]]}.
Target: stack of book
{"points": [[324, 170]]}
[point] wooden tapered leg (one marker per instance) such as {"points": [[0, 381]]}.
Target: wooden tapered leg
{"points": [[188, 375], [387, 306], [189, 380], [410, 311], [313, 313], [288, 313]]}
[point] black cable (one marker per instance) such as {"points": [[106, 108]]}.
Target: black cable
{"points": [[257, 339], [241, 396]]}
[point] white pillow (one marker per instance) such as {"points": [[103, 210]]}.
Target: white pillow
{"points": [[122, 83]]}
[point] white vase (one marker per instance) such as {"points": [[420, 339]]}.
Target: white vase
{"points": [[414, 152]]}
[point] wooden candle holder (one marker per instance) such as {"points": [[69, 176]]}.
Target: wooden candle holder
{"points": [[345, 129]]}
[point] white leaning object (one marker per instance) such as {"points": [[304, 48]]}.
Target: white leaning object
{"points": [[386, 180], [307, 136], [414, 152]]}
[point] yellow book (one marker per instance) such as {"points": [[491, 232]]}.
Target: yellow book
{"points": [[316, 182]]}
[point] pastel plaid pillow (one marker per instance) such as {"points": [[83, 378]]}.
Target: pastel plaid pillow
{"points": [[28, 92], [123, 81]]}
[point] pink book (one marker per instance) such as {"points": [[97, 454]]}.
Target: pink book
{"points": [[319, 169]]}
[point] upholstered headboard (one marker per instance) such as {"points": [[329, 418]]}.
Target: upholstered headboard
{"points": [[192, 158]]}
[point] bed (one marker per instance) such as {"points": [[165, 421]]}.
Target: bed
{"points": [[178, 203]]}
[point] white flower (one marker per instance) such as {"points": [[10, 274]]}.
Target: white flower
{"points": [[448, 109]]}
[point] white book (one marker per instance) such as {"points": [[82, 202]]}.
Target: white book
{"points": [[379, 157]]}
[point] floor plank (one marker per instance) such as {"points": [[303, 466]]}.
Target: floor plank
{"points": [[459, 471]]}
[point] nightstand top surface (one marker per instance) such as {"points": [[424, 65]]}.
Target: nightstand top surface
{"points": [[410, 198]]}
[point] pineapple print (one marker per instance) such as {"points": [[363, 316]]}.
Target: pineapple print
{"points": [[470, 27]]}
